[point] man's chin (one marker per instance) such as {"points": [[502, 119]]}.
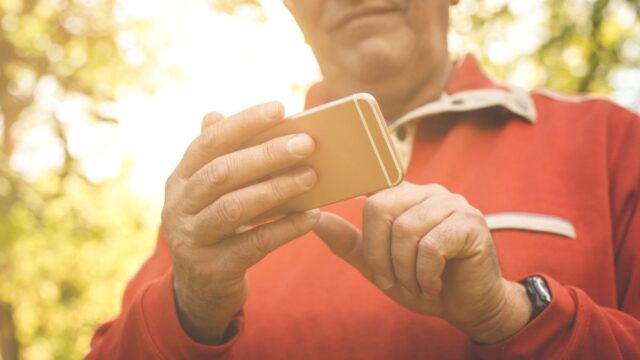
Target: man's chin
{"points": [[374, 59]]}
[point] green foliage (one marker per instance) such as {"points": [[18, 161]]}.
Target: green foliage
{"points": [[576, 46], [64, 257], [81, 45], [67, 246]]}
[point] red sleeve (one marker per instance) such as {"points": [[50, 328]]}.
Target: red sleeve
{"points": [[573, 326], [148, 326]]}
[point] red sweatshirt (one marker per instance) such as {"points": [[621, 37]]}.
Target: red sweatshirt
{"points": [[558, 178]]}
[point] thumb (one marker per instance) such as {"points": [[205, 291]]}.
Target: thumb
{"points": [[344, 239]]}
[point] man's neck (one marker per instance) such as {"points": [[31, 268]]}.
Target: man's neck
{"points": [[400, 94]]}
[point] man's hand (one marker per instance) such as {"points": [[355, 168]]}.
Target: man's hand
{"points": [[430, 251], [220, 186]]}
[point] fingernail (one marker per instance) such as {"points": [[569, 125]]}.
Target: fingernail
{"points": [[219, 173], [300, 145], [272, 110], [383, 282], [306, 179], [313, 213]]}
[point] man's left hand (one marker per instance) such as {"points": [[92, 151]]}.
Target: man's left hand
{"points": [[432, 252]]}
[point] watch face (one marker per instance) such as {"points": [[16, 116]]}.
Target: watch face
{"points": [[541, 288], [538, 293]]}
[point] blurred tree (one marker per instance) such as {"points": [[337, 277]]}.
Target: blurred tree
{"points": [[64, 260], [56, 229], [74, 43], [576, 46]]}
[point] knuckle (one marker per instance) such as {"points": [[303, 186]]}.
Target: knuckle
{"points": [[190, 230], [429, 249], [170, 183], [449, 231], [477, 213], [459, 199], [167, 214], [470, 218], [270, 151], [217, 171], [193, 186], [477, 218], [210, 135], [229, 208], [436, 188], [404, 227], [487, 247], [477, 226], [375, 205], [405, 185], [211, 118], [174, 185], [171, 200], [280, 189], [171, 213]]}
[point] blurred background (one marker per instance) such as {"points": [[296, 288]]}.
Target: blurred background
{"points": [[99, 98]]}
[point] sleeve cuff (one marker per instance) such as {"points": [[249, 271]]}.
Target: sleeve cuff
{"points": [[162, 324], [540, 333]]}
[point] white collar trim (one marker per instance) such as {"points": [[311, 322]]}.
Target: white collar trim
{"points": [[516, 100]]}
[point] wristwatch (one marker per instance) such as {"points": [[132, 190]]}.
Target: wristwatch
{"points": [[538, 293]]}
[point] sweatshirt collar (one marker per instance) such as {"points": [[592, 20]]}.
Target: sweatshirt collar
{"points": [[469, 89]]}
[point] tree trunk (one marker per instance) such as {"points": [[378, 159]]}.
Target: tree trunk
{"points": [[8, 342]]}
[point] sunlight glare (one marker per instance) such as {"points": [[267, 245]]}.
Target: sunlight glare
{"points": [[227, 63]]}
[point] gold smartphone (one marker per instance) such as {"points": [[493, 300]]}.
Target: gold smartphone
{"points": [[354, 155]]}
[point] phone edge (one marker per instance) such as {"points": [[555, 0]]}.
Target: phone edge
{"points": [[370, 100]]}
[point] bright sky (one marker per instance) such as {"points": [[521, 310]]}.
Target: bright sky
{"points": [[228, 63]]}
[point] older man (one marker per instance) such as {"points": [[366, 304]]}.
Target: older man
{"points": [[539, 257]]}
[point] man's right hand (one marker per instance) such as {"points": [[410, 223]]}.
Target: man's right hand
{"points": [[220, 186]]}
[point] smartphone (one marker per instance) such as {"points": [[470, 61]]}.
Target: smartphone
{"points": [[354, 155]]}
